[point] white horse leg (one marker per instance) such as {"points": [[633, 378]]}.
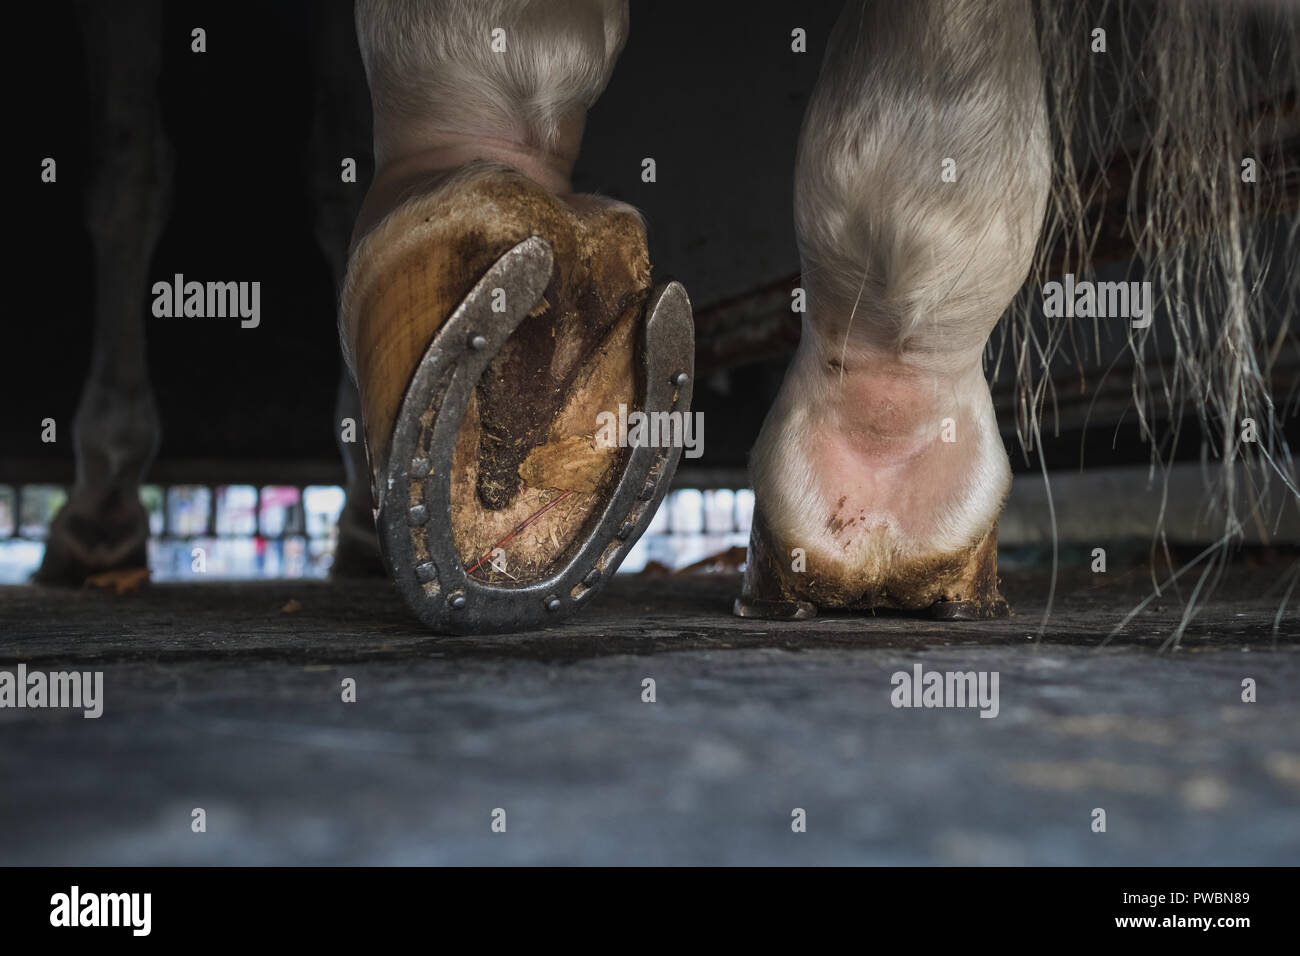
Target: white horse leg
{"points": [[921, 180]]}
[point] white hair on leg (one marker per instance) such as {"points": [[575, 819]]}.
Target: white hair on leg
{"points": [[898, 262], [431, 64], [904, 87]]}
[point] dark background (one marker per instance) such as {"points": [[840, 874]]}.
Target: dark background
{"points": [[710, 90], [702, 88]]}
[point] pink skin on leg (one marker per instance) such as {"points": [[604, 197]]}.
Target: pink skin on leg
{"points": [[854, 459], [882, 446]]}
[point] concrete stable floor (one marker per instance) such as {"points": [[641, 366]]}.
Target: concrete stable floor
{"points": [[226, 697]]}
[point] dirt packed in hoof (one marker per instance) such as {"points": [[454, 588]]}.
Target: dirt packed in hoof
{"points": [[530, 436], [554, 351], [551, 476]]}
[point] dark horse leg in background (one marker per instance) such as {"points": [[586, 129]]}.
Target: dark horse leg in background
{"points": [[103, 527], [341, 129]]}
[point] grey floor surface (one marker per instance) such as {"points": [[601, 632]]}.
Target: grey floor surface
{"points": [[218, 697]]}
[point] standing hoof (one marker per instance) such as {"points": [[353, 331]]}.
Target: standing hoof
{"points": [[956, 587], [84, 543], [357, 555]]}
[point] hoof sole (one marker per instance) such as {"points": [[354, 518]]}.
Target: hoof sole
{"points": [[415, 495]]}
